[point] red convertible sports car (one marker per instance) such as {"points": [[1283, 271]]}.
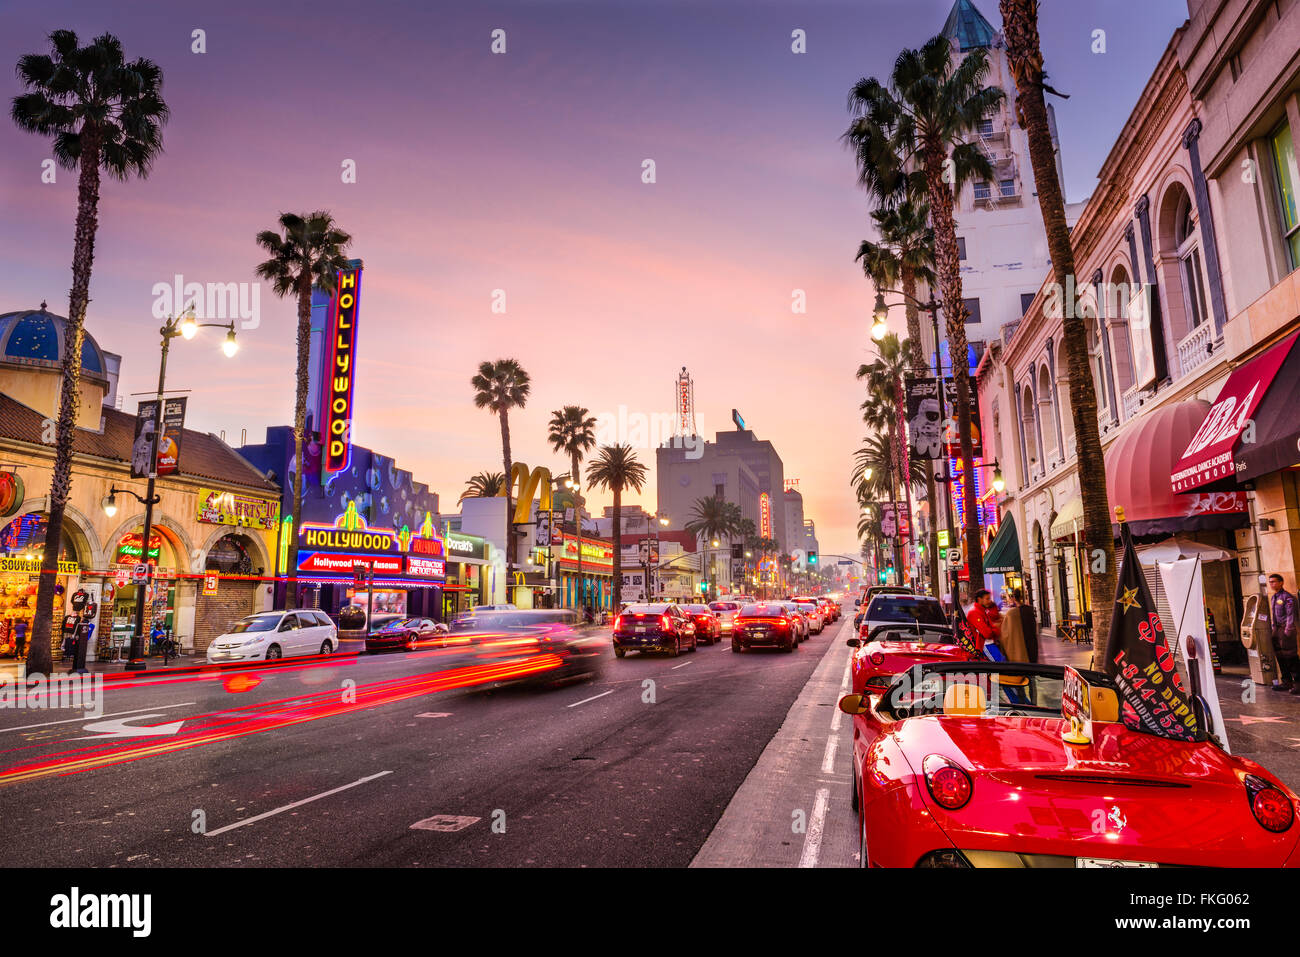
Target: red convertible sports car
{"points": [[891, 649], [976, 764]]}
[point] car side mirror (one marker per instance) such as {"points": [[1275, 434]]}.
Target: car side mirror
{"points": [[854, 704], [857, 603], [854, 642]]}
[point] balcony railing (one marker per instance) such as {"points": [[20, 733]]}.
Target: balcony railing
{"points": [[1196, 348]]}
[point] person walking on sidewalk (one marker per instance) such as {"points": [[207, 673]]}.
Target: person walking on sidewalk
{"points": [[983, 617], [1028, 623], [1282, 624]]}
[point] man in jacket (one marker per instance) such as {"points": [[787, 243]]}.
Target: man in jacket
{"points": [[1282, 624], [1028, 623], [983, 617]]}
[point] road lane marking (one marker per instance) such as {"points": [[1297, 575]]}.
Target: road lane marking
{"points": [[434, 714], [447, 823], [290, 807], [812, 842], [116, 714], [118, 728], [683, 665], [828, 758], [835, 720], [592, 698]]}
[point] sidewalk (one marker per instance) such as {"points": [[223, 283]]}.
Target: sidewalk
{"points": [[1263, 725]]}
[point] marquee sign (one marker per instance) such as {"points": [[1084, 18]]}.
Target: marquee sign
{"points": [[343, 563], [426, 567], [340, 372], [226, 508], [593, 552], [349, 532], [765, 515]]}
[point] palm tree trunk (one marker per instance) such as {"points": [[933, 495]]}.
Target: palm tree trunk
{"points": [[510, 511], [40, 654], [299, 431], [577, 476], [948, 270], [1026, 60], [618, 544]]}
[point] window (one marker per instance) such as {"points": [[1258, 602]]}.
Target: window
{"points": [[961, 247], [1189, 259], [982, 190], [1283, 150], [986, 126], [972, 311], [1007, 186], [1026, 300]]}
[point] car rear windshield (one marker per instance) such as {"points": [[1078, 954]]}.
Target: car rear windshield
{"points": [[698, 609], [762, 611], [258, 623], [905, 608], [645, 610], [724, 606]]}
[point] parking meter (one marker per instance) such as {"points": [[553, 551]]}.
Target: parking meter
{"points": [[1256, 638]]}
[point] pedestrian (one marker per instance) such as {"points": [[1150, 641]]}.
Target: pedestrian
{"points": [[1028, 623], [20, 638], [983, 617], [1011, 637], [1282, 626]]}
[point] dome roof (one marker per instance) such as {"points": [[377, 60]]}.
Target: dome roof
{"points": [[34, 337]]}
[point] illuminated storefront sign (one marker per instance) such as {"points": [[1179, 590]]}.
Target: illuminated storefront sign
{"points": [[130, 545], [368, 540], [426, 567], [32, 566], [524, 484], [765, 515], [465, 546], [227, 508], [340, 373], [428, 547], [594, 553], [341, 563]]}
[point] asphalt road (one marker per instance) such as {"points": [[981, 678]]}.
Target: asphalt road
{"points": [[363, 761]]}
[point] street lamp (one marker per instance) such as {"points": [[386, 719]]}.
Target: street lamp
{"points": [[999, 483], [177, 326], [575, 487], [879, 318]]}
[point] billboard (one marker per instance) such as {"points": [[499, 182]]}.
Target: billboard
{"points": [[340, 372]]}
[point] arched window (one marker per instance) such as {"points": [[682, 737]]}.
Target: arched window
{"points": [[1187, 243]]}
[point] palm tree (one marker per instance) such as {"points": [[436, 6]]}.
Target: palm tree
{"points": [[616, 469], [912, 135], [307, 251], [1025, 57], [886, 407], [483, 485], [102, 114], [573, 432], [499, 387], [905, 256]]}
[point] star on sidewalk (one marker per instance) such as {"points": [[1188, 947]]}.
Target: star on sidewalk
{"points": [[1247, 719]]}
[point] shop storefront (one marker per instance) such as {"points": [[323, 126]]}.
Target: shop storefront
{"points": [[22, 546], [466, 573], [595, 586]]}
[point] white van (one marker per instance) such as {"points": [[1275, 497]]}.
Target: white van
{"points": [[271, 635]]}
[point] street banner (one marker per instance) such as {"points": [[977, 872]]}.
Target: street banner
{"points": [[928, 436], [168, 441], [1153, 696], [1184, 588], [894, 519]]}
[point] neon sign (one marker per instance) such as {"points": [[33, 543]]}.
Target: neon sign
{"points": [[340, 373], [765, 515]]}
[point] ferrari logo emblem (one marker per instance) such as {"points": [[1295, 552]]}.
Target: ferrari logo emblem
{"points": [[1117, 818], [1129, 598]]}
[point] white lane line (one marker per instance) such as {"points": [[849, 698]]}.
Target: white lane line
{"points": [[290, 807], [592, 698], [835, 720], [828, 758], [812, 842], [683, 665], [116, 714]]}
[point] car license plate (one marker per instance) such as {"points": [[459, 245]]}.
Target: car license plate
{"points": [[640, 629], [1105, 862]]}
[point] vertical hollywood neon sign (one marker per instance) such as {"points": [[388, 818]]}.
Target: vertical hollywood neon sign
{"points": [[340, 373]]}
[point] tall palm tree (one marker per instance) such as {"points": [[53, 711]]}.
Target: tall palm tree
{"points": [[905, 256], [886, 406], [912, 135], [307, 251], [1025, 57], [573, 432], [106, 114], [714, 517], [483, 485], [499, 387], [616, 468]]}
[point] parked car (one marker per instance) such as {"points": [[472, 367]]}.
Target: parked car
{"points": [[395, 631], [653, 626], [707, 624], [766, 625], [271, 635], [893, 609]]}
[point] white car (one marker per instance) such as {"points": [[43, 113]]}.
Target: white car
{"points": [[271, 635]]}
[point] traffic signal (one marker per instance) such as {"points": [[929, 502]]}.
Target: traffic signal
{"points": [[704, 586], [881, 574], [812, 558]]}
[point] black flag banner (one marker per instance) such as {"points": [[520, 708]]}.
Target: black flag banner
{"points": [[967, 640], [1154, 697]]}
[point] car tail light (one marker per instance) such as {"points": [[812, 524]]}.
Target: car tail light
{"points": [[1270, 805], [618, 623], [666, 623], [949, 785], [877, 658]]}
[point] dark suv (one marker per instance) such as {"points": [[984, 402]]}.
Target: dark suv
{"points": [[767, 624], [653, 627]]}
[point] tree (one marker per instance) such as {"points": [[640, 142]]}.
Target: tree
{"points": [[905, 256], [616, 469], [106, 114], [307, 251], [714, 517], [499, 387], [886, 406], [1025, 57], [573, 432], [483, 485], [911, 135]]}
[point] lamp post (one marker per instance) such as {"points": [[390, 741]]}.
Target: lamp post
{"points": [[185, 326], [575, 486]]}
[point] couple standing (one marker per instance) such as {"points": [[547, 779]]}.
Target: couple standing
{"points": [[1015, 630]]}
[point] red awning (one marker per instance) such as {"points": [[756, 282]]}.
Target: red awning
{"points": [[1138, 466], [1207, 462]]}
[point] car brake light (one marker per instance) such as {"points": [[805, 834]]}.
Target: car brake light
{"points": [[877, 658], [665, 623], [618, 622], [949, 785], [1270, 805]]}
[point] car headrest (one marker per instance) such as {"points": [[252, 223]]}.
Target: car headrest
{"points": [[1105, 704], [963, 699]]}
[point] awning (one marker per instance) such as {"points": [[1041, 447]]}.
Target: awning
{"points": [[1140, 464], [1214, 457], [1068, 519], [1004, 551]]}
